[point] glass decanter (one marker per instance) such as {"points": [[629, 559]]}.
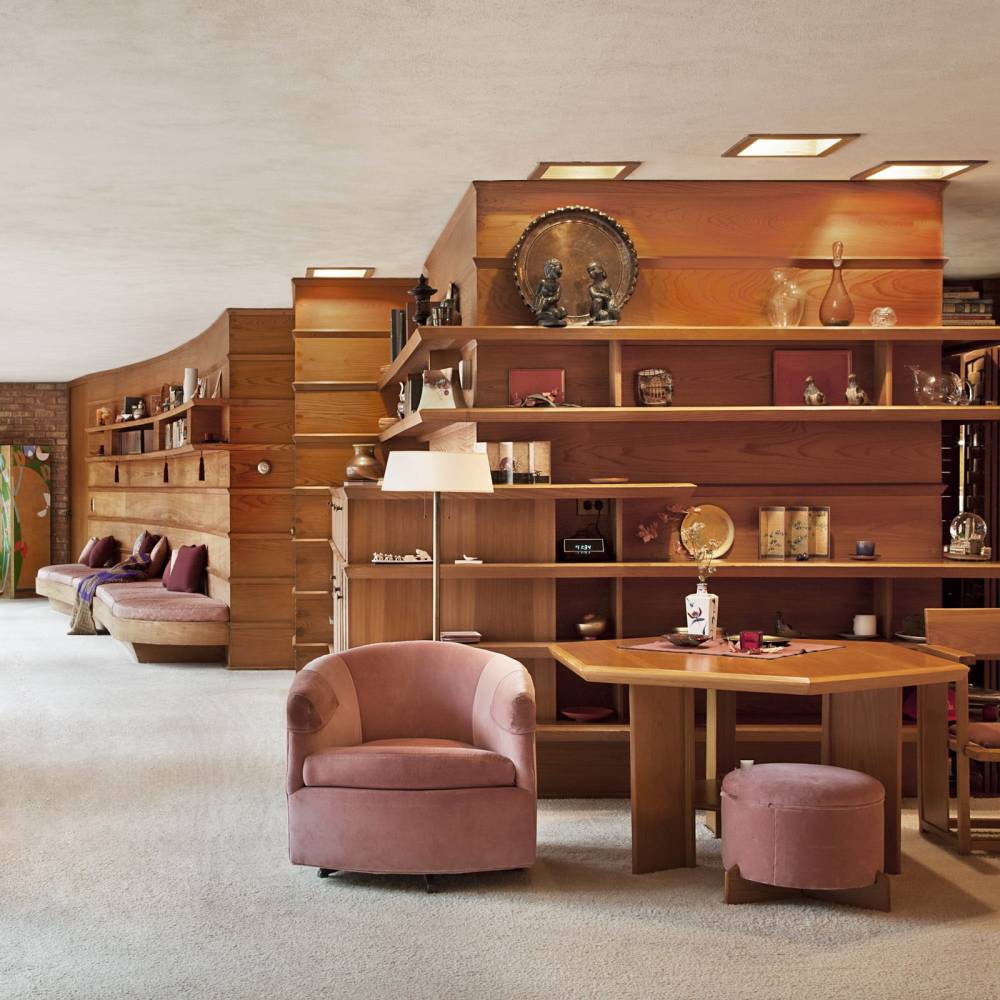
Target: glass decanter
{"points": [[836, 309], [940, 388], [787, 300]]}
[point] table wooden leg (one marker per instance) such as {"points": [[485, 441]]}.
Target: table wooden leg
{"points": [[720, 745], [932, 757], [863, 731], [662, 765]]}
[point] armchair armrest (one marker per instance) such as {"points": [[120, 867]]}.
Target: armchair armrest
{"points": [[950, 653], [503, 716], [311, 702]]}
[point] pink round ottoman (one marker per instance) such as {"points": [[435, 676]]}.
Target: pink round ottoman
{"points": [[803, 826]]}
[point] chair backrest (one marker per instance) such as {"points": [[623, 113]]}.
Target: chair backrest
{"points": [[975, 630], [416, 689]]}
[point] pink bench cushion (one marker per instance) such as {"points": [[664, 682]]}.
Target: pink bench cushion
{"points": [[411, 764], [65, 573], [148, 601]]}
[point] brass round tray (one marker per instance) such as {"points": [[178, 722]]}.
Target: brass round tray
{"points": [[577, 236]]}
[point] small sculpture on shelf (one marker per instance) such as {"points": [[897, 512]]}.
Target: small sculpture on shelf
{"points": [[421, 556], [782, 628], [854, 394], [139, 410], [968, 538], [422, 293], [103, 416], [654, 387], [812, 394], [546, 306], [592, 625], [603, 311]]}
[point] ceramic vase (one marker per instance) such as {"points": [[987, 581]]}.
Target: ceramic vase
{"points": [[702, 610]]}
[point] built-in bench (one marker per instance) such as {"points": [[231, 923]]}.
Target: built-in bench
{"points": [[156, 625]]}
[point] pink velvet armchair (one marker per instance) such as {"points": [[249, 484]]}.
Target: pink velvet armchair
{"points": [[412, 758]]}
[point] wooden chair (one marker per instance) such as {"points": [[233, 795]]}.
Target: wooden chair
{"points": [[963, 634]]}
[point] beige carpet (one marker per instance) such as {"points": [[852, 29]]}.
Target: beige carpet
{"points": [[142, 854]]}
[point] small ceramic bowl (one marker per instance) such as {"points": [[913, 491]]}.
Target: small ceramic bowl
{"points": [[683, 638]]}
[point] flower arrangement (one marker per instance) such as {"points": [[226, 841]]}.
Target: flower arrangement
{"points": [[670, 516], [702, 550]]}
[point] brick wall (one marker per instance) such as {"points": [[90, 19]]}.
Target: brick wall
{"points": [[38, 413]]}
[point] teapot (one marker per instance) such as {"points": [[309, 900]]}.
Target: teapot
{"points": [[934, 388]]}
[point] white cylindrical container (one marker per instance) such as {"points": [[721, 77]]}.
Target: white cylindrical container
{"points": [[190, 384]]}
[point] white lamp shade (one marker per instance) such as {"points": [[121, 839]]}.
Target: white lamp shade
{"points": [[437, 472]]}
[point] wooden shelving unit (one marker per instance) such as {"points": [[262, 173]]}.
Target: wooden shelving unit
{"points": [[204, 416]]}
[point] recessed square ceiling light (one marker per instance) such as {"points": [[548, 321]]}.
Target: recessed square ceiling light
{"points": [[339, 272], [917, 170], [790, 144], [549, 170]]}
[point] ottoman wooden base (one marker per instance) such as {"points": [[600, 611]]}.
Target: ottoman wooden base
{"points": [[870, 897]]}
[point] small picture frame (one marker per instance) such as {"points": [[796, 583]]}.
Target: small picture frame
{"points": [[819, 532], [796, 532], [771, 532], [522, 383], [129, 403]]}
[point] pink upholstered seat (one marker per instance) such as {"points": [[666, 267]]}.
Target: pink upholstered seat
{"points": [[412, 757], [68, 574], [803, 826], [149, 600], [412, 764]]}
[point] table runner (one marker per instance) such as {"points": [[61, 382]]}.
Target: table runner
{"points": [[719, 647]]}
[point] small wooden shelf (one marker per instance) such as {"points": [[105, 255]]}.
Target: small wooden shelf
{"points": [[752, 569], [427, 422], [414, 355], [186, 449], [539, 491], [172, 414]]}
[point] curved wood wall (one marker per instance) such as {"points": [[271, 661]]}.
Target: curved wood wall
{"points": [[213, 495]]}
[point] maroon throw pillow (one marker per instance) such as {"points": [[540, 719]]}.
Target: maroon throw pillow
{"points": [[144, 544], [187, 570], [104, 553], [158, 558]]}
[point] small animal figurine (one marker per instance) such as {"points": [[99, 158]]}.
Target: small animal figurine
{"points": [[546, 306], [812, 394], [603, 311], [854, 394], [780, 628]]}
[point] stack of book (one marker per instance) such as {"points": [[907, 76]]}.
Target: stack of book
{"points": [[963, 305], [468, 637]]}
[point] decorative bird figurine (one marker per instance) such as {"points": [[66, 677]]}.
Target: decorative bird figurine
{"points": [[780, 628], [854, 394], [812, 394]]}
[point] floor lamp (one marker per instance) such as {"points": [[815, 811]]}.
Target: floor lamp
{"points": [[437, 472]]}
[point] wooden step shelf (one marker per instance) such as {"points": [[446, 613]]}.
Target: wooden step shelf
{"points": [[416, 353], [184, 449], [938, 569], [540, 491], [425, 423]]}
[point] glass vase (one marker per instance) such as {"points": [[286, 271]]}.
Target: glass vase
{"points": [[787, 300]]}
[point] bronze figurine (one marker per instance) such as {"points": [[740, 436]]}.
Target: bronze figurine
{"points": [[854, 394], [422, 293], [812, 394], [546, 306], [603, 311]]}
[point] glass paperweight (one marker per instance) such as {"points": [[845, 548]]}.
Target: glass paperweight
{"points": [[787, 300], [882, 316]]}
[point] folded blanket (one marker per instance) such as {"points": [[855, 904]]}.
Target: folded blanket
{"points": [[133, 569]]}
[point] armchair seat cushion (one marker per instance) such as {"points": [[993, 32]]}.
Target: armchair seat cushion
{"points": [[985, 734], [408, 764]]}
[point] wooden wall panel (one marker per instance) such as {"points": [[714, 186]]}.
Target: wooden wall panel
{"points": [[260, 378], [195, 509], [352, 304], [243, 472], [337, 412], [267, 421], [264, 601], [262, 556], [716, 453], [312, 513], [260, 647], [260, 331], [313, 564], [268, 511], [341, 359], [733, 296]]}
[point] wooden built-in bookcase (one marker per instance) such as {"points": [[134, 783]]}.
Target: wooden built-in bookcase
{"points": [[705, 250], [206, 491]]}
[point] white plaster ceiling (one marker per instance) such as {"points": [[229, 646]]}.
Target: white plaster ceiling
{"points": [[163, 160]]}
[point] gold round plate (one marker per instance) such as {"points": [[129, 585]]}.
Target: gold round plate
{"points": [[577, 236], [718, 525]]}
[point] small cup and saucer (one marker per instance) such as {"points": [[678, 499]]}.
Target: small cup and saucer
{"points": [[865, 629], [864, 551]]}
